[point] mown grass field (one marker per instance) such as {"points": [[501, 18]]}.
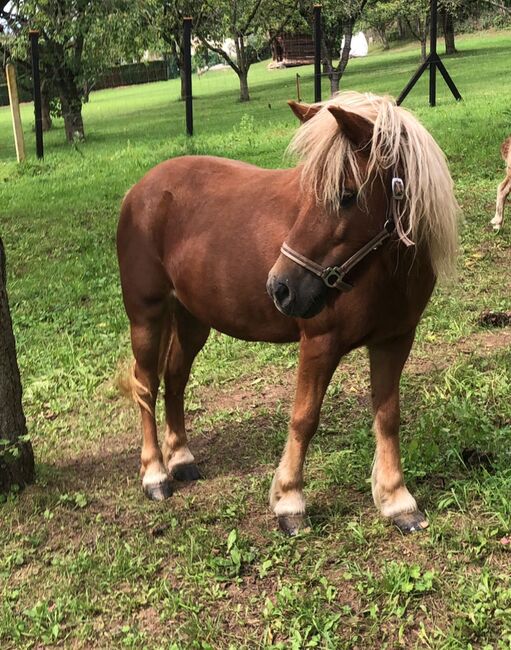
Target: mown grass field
{"points": [[87, 562]]}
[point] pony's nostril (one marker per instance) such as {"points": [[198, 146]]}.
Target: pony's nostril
{"points": [[281, 292]]}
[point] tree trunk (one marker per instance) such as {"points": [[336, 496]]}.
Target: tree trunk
{"points": [[243, 66], [335, 74], [16, 455], [345, 54], [86, 91], [71, 103], [243, 77], [381, 30], [424, 50], [334, 77], [448, 22], [401, 29], [45, 110]]}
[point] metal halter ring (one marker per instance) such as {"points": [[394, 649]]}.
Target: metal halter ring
{"points": [[333, 278], [398, 189]]}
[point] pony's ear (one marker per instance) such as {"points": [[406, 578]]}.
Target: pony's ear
{"points": [[355, 127], [304, 112]]}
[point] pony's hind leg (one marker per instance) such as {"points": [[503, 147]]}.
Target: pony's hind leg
{"points": [[318, 359], [389, 491], [503, 191], [147, 331], [188, 336], [146, 293]]}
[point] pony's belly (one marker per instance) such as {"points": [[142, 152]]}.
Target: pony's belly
{"points": [[235, 315]]}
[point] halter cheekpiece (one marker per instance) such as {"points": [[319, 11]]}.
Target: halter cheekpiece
{"points": [[333, 276]]}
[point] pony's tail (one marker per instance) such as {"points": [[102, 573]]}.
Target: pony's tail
{"points": [[127, 382]]}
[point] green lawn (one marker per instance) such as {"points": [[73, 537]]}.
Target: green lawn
{"points": [[87, 562]]}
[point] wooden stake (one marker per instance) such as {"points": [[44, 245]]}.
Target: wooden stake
{"points": [[19, 141]]}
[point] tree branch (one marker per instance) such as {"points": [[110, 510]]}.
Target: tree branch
{"points": [[499, 5], [220, 51], [251, 17]]}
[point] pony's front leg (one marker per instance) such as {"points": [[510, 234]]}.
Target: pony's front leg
{"points": [[389, 491], [319, 357], [503, 191]]}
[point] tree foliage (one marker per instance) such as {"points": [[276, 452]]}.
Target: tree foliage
{"points": [[338, 23], [244, 22], [167, 19], [78, 39]]}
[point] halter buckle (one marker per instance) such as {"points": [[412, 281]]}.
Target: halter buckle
{"points": [[333, 279], [398, 188]]}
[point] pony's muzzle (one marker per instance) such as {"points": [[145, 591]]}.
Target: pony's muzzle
{"points": [[281, 294], [300, 297]]}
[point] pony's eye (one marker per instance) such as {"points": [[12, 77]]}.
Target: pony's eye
{"points": [[348, 198]]}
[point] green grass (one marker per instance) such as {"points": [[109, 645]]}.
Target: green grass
{"points": [[86, 562]]}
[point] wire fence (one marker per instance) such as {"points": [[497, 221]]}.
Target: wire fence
{"points": [[122, 75], [213, 91]]}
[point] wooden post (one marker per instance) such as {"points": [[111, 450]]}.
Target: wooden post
{"points": [[14, 101], [298, 93], [317, 53]]}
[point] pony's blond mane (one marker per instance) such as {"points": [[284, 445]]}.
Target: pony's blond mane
{"points": [[429, 213]]}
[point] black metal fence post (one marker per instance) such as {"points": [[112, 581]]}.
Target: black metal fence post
{"points": [[432, 53], [187, 53], [317, 53], [36, 80], [433, 61]]}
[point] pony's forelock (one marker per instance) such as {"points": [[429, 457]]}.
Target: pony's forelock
{"points": [[429, 213]]}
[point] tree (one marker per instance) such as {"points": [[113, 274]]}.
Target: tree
{"points": [[244, 21], [16, 455], [23, 66], [416, 16], [379, 16], [78, 39], [503, 5], [449, 10], [338, 22], [168, 18]]}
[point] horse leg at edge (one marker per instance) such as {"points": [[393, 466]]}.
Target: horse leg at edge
{"points": [[389, 491], [188, 336], [318, 359], [146, 334], [502, 193]]}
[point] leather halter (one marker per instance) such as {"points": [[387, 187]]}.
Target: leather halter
{"points": [[333, 276]]}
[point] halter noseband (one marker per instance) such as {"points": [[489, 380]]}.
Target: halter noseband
{"points": [[333, 276]]}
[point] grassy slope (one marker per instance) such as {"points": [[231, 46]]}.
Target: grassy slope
{"points": [[87, 562]]}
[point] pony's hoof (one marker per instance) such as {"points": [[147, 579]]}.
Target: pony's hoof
{"points": [[158, 491], [293, 524], [186, 472], [410, 522]]}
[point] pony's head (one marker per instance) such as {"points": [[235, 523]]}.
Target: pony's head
{"points": [[352, 148]]}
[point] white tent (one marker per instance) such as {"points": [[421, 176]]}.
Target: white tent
{"points": [[359, 46]]}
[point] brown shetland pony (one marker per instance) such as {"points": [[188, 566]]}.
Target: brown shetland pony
{"points": [[199, 245], [504, 189]]}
